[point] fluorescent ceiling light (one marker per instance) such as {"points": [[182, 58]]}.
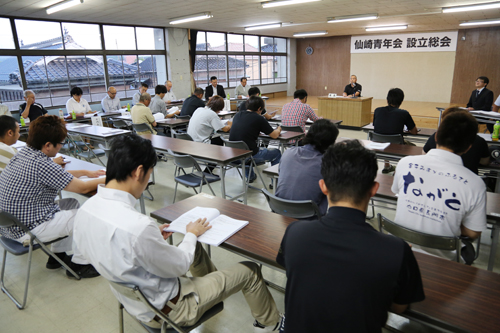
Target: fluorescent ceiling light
{"points": [[482, 6], [353, 18], [62, 5], [483, 22], [387, 27], [263, 26], [284, 3], [309, 33], [195, 17]]}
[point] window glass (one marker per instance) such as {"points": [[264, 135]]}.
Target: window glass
{"points": [[57, 74], [11, 91], [6, 39], [217, 67], [235, 43], [39, 35], [150, 39], [267, 44], [36, 78], [115, 73], [201, 71], [216, 41], [236, 66], [97, 80], [119, 38], [252, 70], [267, 69], [280, 44], [201, 43], [79, 36], [280, 69], [251, 44]]}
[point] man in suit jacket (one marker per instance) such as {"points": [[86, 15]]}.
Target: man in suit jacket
{"points": [[481, 98], [219, 90]]}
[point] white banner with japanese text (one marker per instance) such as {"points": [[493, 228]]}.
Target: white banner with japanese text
{"points": [[411, 42]]}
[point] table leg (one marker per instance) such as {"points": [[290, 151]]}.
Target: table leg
{"points": [[494, 245], [172, 132], [245, 188], [223, 181]]}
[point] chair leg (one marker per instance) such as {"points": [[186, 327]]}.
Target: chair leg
{"points": [[59, 260], [260, 176], [175, 192], [120, 317], [6, 291]]}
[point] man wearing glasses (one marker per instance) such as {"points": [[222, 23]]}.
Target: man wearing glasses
{"points": [[29, 185], [111, 102]]}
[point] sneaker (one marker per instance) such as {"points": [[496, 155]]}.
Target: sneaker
{"points": [[83, 271], [253, 178], [279, 327], [53, 263], [389, 169]]}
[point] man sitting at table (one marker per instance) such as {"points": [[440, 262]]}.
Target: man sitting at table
{"points": [[300, 167], [30, 109], [297, 112], [342, 274], [169, 96], [126, 246], [141, 114], [254, 91], [436, 194], [158, 104], [481, 98], [144, 88], [391, 119], [30, 183], [205, 122], [247, 126], [192, 103], [214, 89], [111, 102], [353, 89], [77, 103], [9, 134]]}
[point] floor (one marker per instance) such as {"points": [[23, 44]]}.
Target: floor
{"points": [[59, 304]]}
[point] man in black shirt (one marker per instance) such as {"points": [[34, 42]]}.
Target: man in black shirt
{"points": [[30, 109], [481, 98], [192, 103], [342, 274], [247, 126], [254, 91], [353, 89]]}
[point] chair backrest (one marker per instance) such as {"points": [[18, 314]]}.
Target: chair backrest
{"points": [[392, 138], [292, 129], [419, 238], [184, 161], [142, 128], [235, 144], [183, 136], [8, 220], [299, 209], [119, 123], [182, 117]]}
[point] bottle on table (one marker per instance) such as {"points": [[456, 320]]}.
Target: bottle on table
{"points": [[23, 123], [128, 107], [496, 130], [61, 114], [228, 97], [73, 114]]}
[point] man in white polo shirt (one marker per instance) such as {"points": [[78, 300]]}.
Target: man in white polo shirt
{"points": [[436, 193], [169, 96]]}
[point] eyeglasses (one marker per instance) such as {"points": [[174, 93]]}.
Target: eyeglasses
{"points": [[62, 143]]}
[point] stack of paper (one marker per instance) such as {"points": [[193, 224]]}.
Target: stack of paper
{"points": [[158, 116], [172, 110], [377, 145]]}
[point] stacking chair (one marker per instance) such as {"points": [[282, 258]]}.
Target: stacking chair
{"points": [[142, 128], [89, 154], [196, 178], [182, 117], [292, 129], [183, 136], [298, 209], [134, 293], [121, 124], [251, 162], [13, 247], [392, 138]]}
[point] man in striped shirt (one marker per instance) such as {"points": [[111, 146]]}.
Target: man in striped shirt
{"points": [[9, 134], [297, 111]]}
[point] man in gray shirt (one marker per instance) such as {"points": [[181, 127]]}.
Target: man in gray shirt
{"points": [[137, 96], [158, 104], [111, 102], [242, 89]]}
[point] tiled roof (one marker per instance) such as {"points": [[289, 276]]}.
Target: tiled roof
{"points": [[219, 63]]}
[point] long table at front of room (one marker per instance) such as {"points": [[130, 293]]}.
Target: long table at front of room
{"points": [[458, 297]]}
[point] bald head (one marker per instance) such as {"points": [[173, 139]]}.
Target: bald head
{"points": [[168, 84], [112, 92]]}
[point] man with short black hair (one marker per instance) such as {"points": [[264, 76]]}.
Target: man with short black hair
{"points": [[30, 183], [254, 91], [158, 104], [391, 119], [205, 122], [126, 246], [192, 103], [481, 98], [242, 89], [297, 112], [342, 274], [9, 134], [142, 89], [437, 195], [353, 89], [30, 109], [214, 89], [247, 126]]}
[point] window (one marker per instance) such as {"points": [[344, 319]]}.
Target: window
{"points": [[133, 55], [262, 60]]}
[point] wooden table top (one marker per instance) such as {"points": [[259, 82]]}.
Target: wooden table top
{"points": [[284, 137], [200, 150], [342, 98], [397, 150], [277, 118], [462, 296], [172, 121], [272, 171], [423, 131], [98, 131]]}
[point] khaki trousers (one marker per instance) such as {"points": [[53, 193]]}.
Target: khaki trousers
{"points": [[208, 287]]}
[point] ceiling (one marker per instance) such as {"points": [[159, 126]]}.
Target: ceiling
{"points": [[234, 15]]}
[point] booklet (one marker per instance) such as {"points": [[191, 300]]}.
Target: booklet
{"points": [[158, 116], [377, 145], [223, 226], [172, 110]]}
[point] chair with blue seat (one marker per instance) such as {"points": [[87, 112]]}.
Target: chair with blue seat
{"points": [[196, 178], [168, 326], [13, 247]]}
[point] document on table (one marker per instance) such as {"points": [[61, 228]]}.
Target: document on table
{"points": [[492, 114], [223, 226], [377, 145], [113, 131], [159, 116], [172, 110], [78, 126], [19, 145], [485, 136]]}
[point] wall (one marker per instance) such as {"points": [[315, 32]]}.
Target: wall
{"points": [[423, 76], [178, 61], [478, 55], [328, 66]]}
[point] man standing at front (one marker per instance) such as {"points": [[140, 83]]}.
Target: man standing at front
{"points": [[353, 89], [128, 247], [436, 194], [111, 102], [169, 96], [342, 274], [297, 112]]}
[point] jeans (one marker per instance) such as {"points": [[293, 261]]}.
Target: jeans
{"points": [[267, 155]]}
